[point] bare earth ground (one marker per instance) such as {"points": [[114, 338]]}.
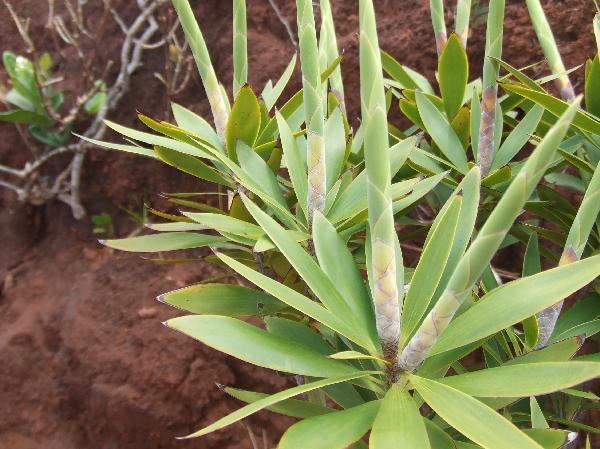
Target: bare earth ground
{"points": [[84, 360]]}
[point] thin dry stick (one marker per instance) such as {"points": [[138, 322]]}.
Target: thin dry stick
{"points": [[285, 23]]}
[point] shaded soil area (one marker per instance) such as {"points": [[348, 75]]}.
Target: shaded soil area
{"points": [[85, 360]]}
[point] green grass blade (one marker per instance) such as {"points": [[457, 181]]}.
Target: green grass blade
{"points": [[289, 407]]}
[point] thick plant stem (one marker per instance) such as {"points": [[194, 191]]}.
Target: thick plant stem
{"points": [[313, 108], [439, 24], [381, 221], [209, 78], [485, 245], [463, 15], [328, 52], [240, 46], [548, 44], [489, 100], [574, 246]]}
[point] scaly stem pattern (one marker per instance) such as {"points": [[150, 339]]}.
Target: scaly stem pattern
{"points": [[198, 47], [489, 100], [313, 108], [548, 44], [483, 248], [381, 221], [574, 246]]}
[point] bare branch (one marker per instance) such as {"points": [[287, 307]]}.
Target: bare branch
{"points": [[285, 23]]}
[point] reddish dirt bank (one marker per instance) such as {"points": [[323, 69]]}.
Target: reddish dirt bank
{"points": [[85, 361]]}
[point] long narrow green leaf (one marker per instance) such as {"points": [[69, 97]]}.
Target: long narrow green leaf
{"points": [[328, 51], [222, 299], [195, 124], [288, 407], [335, 430], [134, 149], [313, 108], [473, 419], [534, 379], [271, 400], [430, 268], [548, 44], [292, 298], [481, 251], [518, 137], [439, 24], [165, 241], [218, 102], [441, 132], [153, 139], [555, 106], [505, 306], [488, 134], [463, 15], [307, 268], [398, 423], [270, 93], [240, 46], [338, 263], [191, 165], [257, 346], [385, 260]]}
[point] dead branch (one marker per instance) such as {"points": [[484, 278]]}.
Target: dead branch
{"points": [[30, 186]]}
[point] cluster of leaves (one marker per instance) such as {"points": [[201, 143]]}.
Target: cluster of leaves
{"points": [[311, 218], [36, 103]]}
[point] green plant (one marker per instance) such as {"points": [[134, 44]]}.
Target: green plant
{"points": [[103, 225], [372, 349]]}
